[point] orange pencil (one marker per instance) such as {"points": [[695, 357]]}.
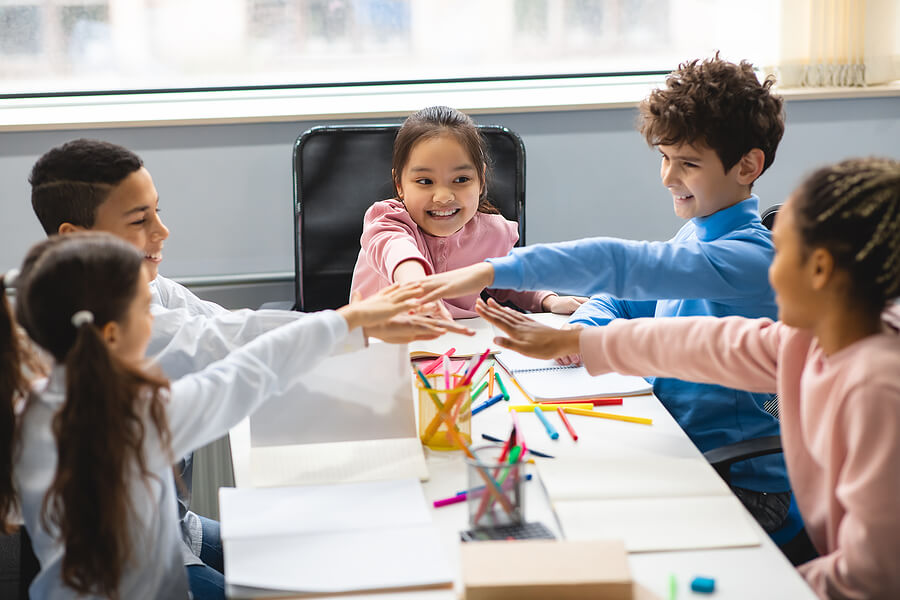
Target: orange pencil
{"points": [[565, 420], [491, 381]]}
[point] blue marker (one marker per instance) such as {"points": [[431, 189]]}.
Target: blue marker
{"points": [[551, 430], [489, 402]]}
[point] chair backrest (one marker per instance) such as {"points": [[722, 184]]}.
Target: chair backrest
{"points": [[339, 171], [768, 215]]}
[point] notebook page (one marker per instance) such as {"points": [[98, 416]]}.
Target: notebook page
{"points": [[332, 538], [255, 512], [634, 476], [660, 524], [578, 383], [338, 462]]}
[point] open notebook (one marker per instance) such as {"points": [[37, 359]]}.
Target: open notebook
{"points": [[653, 503], [333, 539], [351, 419], [466, 346], [546, 381]]}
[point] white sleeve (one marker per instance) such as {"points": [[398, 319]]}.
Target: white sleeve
{"points": [[171, 294], [183, 343], [205, 405]]}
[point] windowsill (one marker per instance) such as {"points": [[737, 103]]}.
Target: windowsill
{"points": [[363, 102]]}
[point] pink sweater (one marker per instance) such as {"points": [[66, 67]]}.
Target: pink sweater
{"points": [[840, 426], [390, 236]]}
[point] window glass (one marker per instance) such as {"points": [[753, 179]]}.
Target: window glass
{"points": [[99, 45]]}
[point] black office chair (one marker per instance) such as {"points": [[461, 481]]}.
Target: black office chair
{"points": [[18, 564], [339, 171]]}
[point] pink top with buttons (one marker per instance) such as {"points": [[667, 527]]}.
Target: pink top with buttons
{"points": [[390, 236]]}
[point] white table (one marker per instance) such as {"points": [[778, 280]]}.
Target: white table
{"points": [[740, 573]]}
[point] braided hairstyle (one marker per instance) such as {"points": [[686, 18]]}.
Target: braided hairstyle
{"points": [[852, 209]]}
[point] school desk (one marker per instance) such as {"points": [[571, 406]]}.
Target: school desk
{"points": [[740, 573]]}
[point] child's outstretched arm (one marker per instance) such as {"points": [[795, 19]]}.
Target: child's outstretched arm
{"points": [[731, 351], [458, 282], [526, 335]]}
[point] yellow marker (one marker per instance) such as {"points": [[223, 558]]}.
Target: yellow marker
{"points": [[603, 415], [530, 407]]}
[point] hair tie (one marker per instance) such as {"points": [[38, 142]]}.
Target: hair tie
{"points": [[9, 279], [82, 317]]}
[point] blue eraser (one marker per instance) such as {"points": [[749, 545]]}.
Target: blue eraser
{"points": [[704, 585]]}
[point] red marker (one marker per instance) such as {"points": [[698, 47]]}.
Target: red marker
{"points": [[568, 425]]}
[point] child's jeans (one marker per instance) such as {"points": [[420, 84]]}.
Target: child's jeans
{"points": [[208, 580]]}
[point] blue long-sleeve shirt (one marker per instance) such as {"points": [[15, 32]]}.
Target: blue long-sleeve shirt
{"points": [[715, 265]]}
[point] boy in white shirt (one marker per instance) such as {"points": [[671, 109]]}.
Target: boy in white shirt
{"points": [[96, 185]]}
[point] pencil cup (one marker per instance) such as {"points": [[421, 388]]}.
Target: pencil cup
{"points": [[445, 414], [496, 496]]}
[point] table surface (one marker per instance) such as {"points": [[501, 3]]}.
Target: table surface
{"points": [[751, 572]]}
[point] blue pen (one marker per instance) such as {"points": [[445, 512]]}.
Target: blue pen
{"points": [[551, 430], [489, 402]]}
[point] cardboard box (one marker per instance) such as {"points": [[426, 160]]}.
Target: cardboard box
{"points": [[541, 569]]}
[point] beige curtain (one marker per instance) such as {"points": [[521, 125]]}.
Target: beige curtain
{"points": [[841, 43]]}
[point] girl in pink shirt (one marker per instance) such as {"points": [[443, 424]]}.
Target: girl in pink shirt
{"points": [[441, 218], [833, 358]]}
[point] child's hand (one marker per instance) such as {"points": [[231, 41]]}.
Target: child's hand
{"points": [[569, 359], [526, 335], [382, 305], [458, 282], [562, 305], [407, 328], [435, 310]]}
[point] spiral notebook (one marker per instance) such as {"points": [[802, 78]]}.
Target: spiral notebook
{"points": [[546, 381]]}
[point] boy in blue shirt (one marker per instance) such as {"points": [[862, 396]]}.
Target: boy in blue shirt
{"points": [[717, 128]]}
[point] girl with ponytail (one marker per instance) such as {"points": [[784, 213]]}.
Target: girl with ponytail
{"points": [[833, 357], [98, 441]]}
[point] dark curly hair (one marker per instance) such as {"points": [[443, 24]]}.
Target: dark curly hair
{"points": [[719, 104], [852, 209]]}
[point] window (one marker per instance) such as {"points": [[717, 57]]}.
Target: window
{"points": [[59, 46]]}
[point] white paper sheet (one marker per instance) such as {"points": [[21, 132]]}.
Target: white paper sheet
{"points": [[363, 460], [330, 539], [660, 524]]}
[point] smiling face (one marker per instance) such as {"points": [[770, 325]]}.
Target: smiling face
{"points": [[131, 212], [699, 184], [440, 185], [791, 273]]}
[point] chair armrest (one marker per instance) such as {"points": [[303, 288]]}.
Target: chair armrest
{"points": [[722, 458]]}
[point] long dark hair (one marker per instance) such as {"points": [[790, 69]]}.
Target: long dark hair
{"points": [[852, 209], [440, 120], [100, 429], [12, 387]]}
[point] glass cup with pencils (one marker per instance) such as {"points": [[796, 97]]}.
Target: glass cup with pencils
{"points": [[445, 411], [496, 495]]}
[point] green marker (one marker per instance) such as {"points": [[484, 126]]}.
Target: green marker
{"points": [[502, 387], [479, 390], [673, 587]]}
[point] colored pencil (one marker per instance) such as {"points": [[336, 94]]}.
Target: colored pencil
{"points": [[603, 415]]}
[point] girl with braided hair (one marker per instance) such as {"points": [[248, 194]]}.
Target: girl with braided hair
{"points": [[833, 357]]}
